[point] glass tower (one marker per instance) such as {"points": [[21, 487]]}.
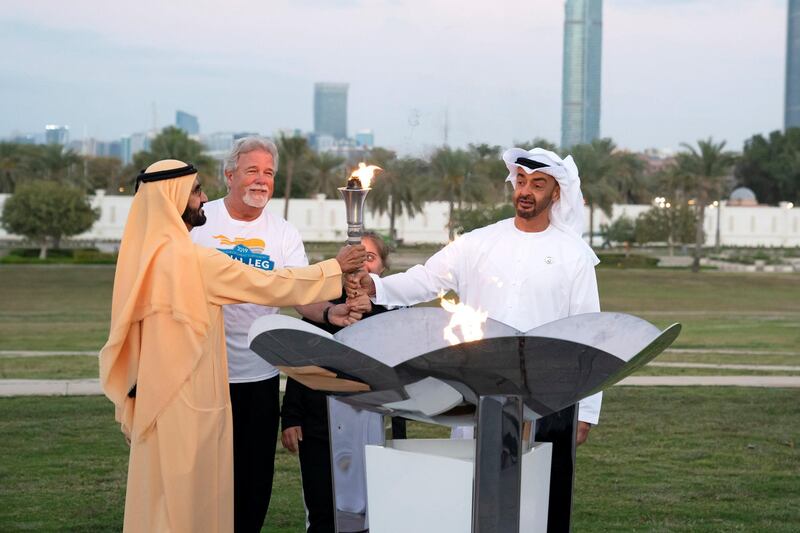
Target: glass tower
{"points": [[580, 98], [54, 134], [792, 109], [187, 122], [330, 109]]}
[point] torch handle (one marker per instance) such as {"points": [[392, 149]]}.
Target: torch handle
{"points": [[354, 233]]}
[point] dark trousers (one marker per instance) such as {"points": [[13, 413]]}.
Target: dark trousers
{"points": [[255, 432], [559, 428], [315, 467]]}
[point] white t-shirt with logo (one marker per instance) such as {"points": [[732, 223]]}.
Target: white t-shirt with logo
{"points": [[266, 243]]}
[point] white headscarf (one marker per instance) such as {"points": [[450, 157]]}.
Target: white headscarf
{"points": [[566, 213]]}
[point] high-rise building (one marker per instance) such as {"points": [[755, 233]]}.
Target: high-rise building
{"points": [[791, 117], [365, 139], [217, 145], [56, 134], [187, 122], [133, 144], [580, 92], [330, 109], [109, 149]]}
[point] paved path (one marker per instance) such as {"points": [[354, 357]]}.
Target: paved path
{"points": [[86, 387], [727, 351], [91, 387], [35, 353], [768, 368], [60, 387], [791, 382], [50, 387]]}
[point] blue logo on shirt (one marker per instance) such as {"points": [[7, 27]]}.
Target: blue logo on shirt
{"points": [[248, 257]]}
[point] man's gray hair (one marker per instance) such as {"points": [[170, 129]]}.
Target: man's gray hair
{"points": [[248, 144]]}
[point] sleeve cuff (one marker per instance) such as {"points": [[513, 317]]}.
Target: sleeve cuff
{"points": [[589, 409], [380, 297]]}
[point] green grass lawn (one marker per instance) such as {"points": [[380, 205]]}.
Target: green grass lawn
{"points": [[662, 459], [71, 304], [692, 459], [718, 310], [49, 367], [54, 307]]}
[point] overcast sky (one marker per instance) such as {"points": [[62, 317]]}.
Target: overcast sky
{"points": [[673, 70]]}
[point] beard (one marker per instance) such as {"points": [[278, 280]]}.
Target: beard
{"points": [[538, 207], [194, 217], [257, 200]]}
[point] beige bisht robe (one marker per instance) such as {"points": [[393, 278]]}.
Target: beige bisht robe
{"points": [[167, 337]]}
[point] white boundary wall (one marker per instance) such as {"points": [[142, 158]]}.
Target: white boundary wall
{"points": [[321, 219]]}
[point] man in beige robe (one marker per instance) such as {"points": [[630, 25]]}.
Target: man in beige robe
{"points": [[164, 365]]}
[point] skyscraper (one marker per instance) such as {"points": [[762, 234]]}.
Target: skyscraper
{"points": [[580, 92], [187, 122], [54, 134], [365, 139], [330, 110], [791, 111]]}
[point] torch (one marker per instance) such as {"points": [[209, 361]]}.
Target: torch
{"points": [[354, 195]]}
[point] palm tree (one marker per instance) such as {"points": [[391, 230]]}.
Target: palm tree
{"points": [[176, 143], [604, 172], [292, 150], [103, 173], [58, 164], [399, 189], [11, 161], [458, 183], [485, 151], [631, 179], [489, 168], [703, 169], [537, 142], [326, 173]]}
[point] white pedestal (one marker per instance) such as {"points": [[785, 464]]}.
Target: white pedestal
{"points": [[426, 485]]}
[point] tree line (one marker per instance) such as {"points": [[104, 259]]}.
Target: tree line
{"points": [[470, 180]]}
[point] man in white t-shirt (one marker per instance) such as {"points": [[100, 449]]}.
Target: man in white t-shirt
{"points": [[524, 271], [239, 226]]}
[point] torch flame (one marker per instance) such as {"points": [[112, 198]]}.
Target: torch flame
{"points": [[364, 173], [470, 321]]}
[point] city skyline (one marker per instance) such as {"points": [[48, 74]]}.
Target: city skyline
{"points": [[495, 73]]}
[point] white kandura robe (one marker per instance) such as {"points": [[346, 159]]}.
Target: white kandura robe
{"points": [[521, 279]]}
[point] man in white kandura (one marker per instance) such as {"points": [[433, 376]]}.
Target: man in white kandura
{"points": [[524, 271]]}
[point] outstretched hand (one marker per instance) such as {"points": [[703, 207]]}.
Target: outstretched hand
{"points": [[360, 304], [351, 257], [343, 315], [359, 284]]}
